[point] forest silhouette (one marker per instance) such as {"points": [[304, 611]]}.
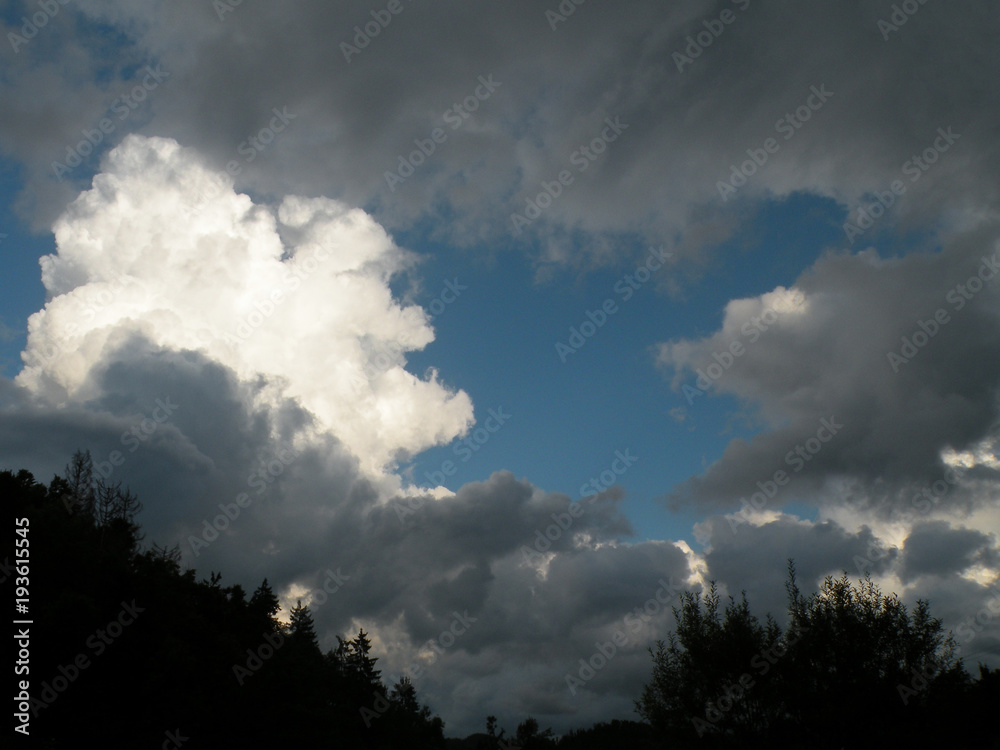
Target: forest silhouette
{"points": [[130, 650]]}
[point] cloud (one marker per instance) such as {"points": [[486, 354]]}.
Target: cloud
{"points": [[657, 182], [846, 354], [163, 248], [935, 548]]}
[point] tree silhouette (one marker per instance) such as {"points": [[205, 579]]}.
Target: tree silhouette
{"points": [[857, 648], [409, 719], [265, 607], [302, 630], [80, 496], [357, 664], [194, 654], [115, 510], [853, 667], [528, 736], [698, 684]]}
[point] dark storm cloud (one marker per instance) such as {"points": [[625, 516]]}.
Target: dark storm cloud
{"points": [[903, 353], [355, 119], [181, 430], [935, 548]]}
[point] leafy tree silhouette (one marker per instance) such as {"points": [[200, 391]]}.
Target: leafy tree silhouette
{"points": [[699, 670], [840, 674], [530, 738]]}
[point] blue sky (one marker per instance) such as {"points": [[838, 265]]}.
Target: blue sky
{"points": [[572, 415], [23, 292]]}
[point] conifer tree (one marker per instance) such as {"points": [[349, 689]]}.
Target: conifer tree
{"points": [[302, 629], [264, 606]]}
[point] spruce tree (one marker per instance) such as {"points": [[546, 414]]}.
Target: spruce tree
{"points": [[302, 629]]}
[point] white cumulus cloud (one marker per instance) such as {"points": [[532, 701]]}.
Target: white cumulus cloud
{"points": [[298, 296]]}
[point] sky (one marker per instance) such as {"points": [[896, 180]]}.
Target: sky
{"points": [[523, 315]]}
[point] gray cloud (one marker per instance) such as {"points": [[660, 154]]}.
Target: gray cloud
{"points": [[355, 119], [935, 548], [829, 358]]}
